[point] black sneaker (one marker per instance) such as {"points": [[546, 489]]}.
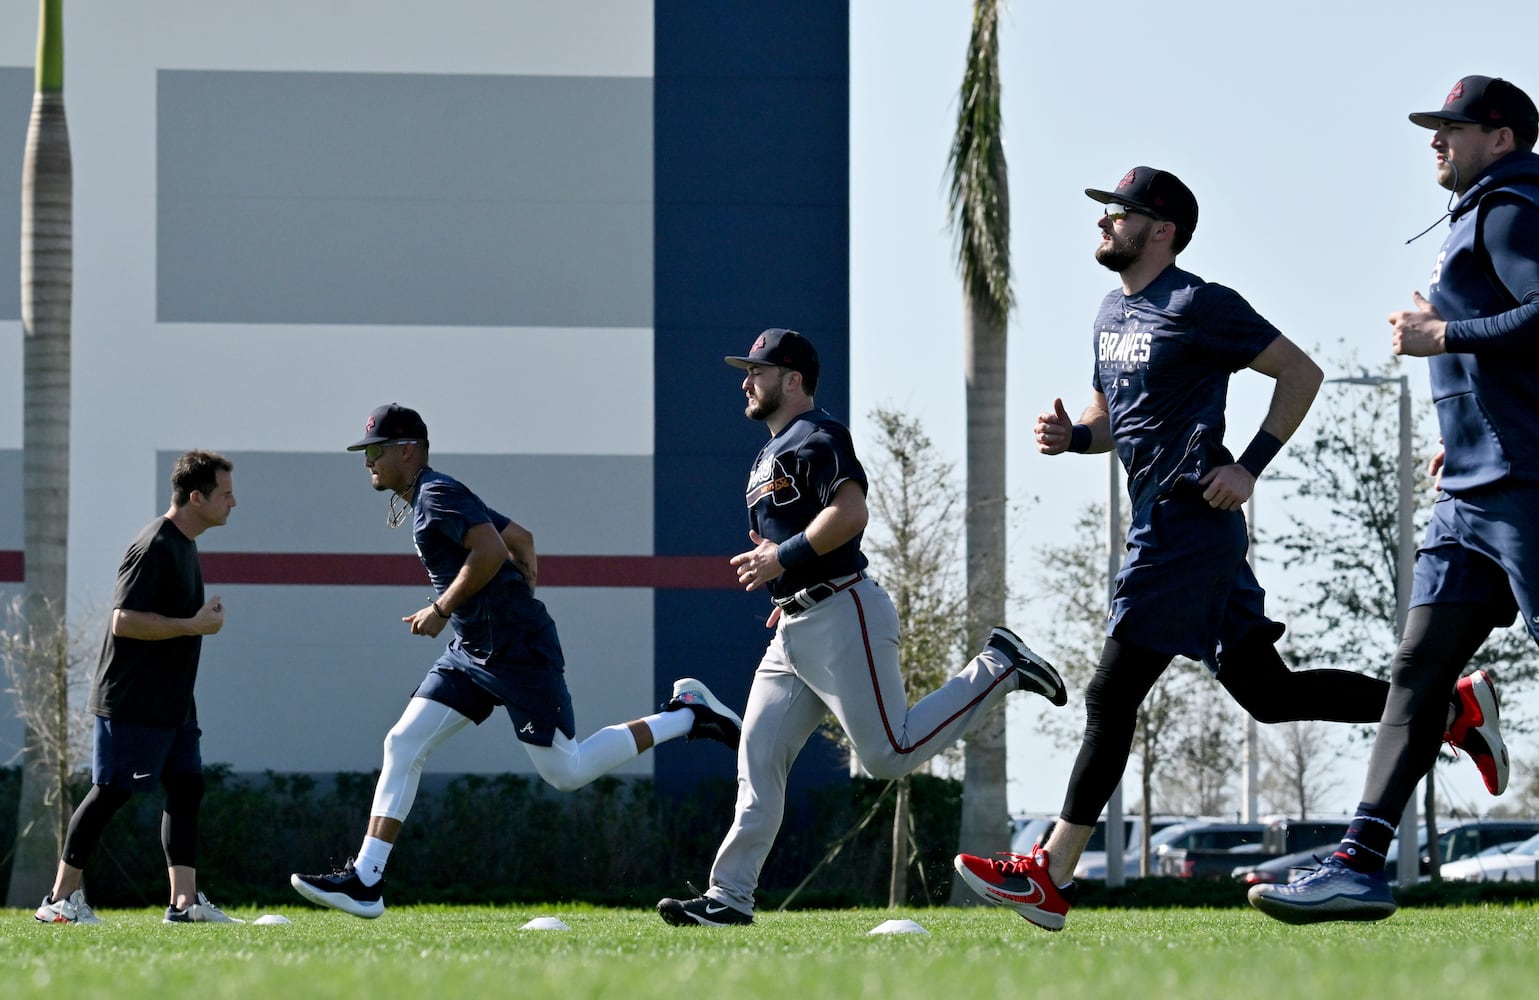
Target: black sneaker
{"points": [[713, 720], [342, 890], [702, 911], [1036, 674]]}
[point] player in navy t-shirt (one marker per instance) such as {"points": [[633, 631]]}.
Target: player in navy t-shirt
{"points": [[1478, 327], [1166, 344], [505, 652], [835, 647]]}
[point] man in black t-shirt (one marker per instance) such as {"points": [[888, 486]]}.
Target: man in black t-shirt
{"points": [[146, 720]]}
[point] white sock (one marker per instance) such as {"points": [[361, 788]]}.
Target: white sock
{"points": [[667, 726], [370, 863]]}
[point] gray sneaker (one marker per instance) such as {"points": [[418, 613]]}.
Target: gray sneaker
{"points": [[1035, 674], [73, 909], [1331, 892], [200, 912]]}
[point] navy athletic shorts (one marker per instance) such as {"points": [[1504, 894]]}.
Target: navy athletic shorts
{"points": [[527, 680], [1185, 586], [1483, 549], [135, 756]]}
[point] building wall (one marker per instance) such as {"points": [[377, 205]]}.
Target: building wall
{"points": [[542, 225]]}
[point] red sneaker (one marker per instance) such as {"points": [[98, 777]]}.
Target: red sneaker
{"points": [[1020, 883], [1477, 730]]}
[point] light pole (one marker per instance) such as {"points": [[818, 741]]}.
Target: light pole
{"points": [[1408, 864], [1115, 847]]}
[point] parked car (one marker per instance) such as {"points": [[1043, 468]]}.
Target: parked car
{"points": [[1503, 863], [1092, 865], [1456, 840], [1032, 833], [1206, 853]]}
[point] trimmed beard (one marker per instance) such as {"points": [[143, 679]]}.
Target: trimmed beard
{"points": [[1115, 256]]}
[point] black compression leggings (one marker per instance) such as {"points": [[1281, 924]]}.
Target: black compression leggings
{"points": [[1439, 640], [1253, 674], [1261, 683], [178, 824]]}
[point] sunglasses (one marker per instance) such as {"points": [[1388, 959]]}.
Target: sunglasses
{"points": [[1117, 213], [373, 451]]}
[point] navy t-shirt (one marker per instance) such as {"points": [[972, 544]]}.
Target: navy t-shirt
{"points": [[796, 475], [150, 681], [501, 614], [1163, 360]]}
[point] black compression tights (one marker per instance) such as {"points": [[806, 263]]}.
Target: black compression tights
{"points": [[179, 823], [90, 818], [1439, 640], [1261, 683], [1122, 680]]}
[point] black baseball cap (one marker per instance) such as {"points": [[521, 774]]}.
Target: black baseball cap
{"points": [[391, 422], [1489, 101], [1158, 192], [783, 348]]}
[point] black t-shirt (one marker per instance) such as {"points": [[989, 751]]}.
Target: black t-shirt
{"points": [[149, 681]]}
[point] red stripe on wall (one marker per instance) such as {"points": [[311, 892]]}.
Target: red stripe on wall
{"points": [[356, 569]]}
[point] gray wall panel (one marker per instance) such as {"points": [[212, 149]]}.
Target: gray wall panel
{"points": [[305, 502], [284, 688], [404, 199], [12, 530], [16, 89]]}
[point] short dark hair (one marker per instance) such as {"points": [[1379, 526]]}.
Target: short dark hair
{"points": [[1523, 143], [197, 471], [809, 382]]}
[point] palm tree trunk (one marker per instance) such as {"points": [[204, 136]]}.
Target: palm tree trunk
{"points": [[897, 882], [46, 282], [980, 212]]}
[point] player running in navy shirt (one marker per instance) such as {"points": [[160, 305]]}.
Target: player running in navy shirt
{"points": [[1166, 344], [1478, 327], [835, 645], [505, 652]]}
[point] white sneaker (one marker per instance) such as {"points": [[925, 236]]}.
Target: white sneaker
{"points": [[72, 910], [200, 912]]}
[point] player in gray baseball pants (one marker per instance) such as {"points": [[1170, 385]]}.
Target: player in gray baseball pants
{"points": [[835, 647]]}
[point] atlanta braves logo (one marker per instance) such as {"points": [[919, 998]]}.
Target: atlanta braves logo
{"points": [[370, 425], [1131, 174], [770, 479], [1454, 94]]}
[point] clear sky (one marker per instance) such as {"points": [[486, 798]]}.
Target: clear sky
{"points": [[1289, 124]]}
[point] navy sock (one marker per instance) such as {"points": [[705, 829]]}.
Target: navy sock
{"points": [[1366, 843]]}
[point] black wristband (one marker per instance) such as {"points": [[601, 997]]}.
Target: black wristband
{"points": [[1080, 438], [1259, 453], [438, 611]]}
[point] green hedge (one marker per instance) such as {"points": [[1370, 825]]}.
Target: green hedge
{"points": [[511, 839], [503, 839]]}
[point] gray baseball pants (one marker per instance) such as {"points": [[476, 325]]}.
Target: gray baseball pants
{"points": [[839, 656]]}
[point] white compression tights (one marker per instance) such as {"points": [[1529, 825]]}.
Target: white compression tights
{"points": [[425, 724]]}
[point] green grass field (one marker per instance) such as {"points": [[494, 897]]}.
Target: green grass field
{"points": [[1490, 952]]}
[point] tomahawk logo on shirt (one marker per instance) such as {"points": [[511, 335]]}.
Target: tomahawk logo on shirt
{"points": [[770, 479]]}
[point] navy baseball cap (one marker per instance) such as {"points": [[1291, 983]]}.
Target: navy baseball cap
{"points": [[391, 422], [1489, 101], [1158, 192], [783, 348]]}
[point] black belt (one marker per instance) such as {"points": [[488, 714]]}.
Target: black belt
{"points": [[808, 596]]}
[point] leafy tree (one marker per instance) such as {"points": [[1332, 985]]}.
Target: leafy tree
{"points": [[980, 214], [912, 545], [1344, 539]]}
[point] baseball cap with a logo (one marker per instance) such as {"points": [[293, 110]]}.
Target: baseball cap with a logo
{"points": [[391, 422], [1489, 101], [783, 348], [1158, 192]]}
